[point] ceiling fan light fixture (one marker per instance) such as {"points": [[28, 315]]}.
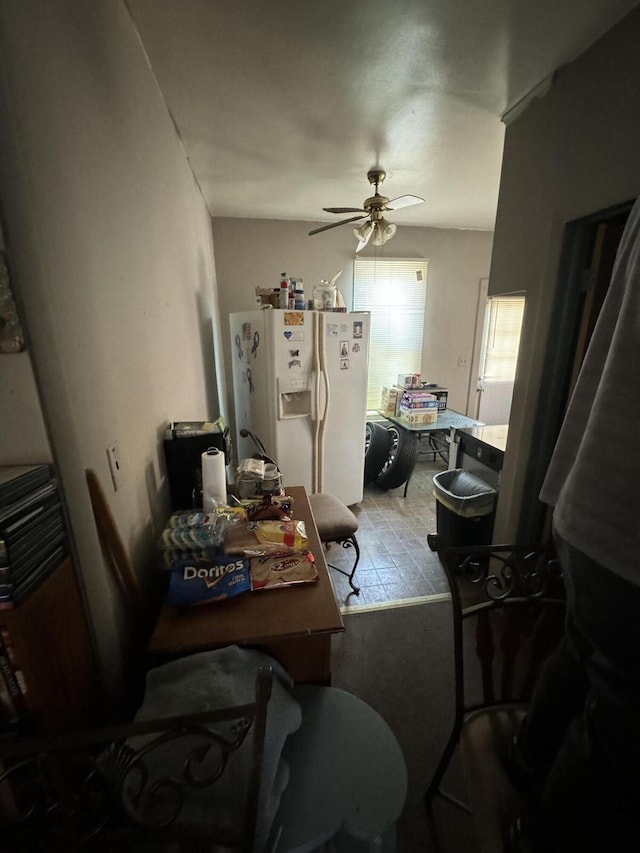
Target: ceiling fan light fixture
{"points": [[383, 231], [362, 233]]}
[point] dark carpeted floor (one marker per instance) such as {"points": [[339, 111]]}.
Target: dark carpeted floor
{"points": [[400, 661]]}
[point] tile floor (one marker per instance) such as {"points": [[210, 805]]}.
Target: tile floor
{"points": [[395, 560]]}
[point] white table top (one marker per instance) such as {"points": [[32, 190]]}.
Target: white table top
{"points": [[493, 435], [348, 775]]}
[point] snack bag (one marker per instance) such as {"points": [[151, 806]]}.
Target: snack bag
{"points": [[270, 508], [198, 580], [191, 519], [283, 570], [230, 514], [260, 538]]}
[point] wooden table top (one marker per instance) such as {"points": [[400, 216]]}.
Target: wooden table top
{"points": [[254, 617]]}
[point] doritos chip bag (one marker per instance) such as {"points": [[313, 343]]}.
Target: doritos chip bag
{"points": [[198, 580]]}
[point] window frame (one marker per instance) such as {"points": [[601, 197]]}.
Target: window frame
{"points": [[372, 276], [506, 364]]}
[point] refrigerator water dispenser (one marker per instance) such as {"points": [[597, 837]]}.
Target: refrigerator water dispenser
{"points": [[294, 397]]}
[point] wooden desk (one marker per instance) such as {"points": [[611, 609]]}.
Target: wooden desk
{"points": [[293, 624]]}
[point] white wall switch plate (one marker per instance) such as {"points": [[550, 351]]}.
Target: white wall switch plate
{"points": [[113, 455]]}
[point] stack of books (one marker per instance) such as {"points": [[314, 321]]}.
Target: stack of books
{"points": [[33, 536], [15, 715], [33, 543]]}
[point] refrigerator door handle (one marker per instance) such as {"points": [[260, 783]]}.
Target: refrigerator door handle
{"points": [[327, 399], [316, 393]]}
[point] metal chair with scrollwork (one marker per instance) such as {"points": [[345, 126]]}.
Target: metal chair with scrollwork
{"points": [[198, 782], [116, 788], [508, 614]]}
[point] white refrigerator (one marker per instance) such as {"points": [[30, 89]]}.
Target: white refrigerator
{"points": [[300, 385]]}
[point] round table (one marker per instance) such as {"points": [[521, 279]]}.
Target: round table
{"points": [[348, 776]]}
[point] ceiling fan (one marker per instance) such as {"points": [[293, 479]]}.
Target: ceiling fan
{"points": [[375, 227]]}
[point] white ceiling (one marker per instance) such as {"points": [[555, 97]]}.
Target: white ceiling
{"points": [[283, 105]]}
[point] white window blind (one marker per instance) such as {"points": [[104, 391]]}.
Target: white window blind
{"points": [[393, 290], [504, 324]]}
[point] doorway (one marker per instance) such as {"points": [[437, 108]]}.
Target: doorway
{"points": [[499, 357], [586, 263]]}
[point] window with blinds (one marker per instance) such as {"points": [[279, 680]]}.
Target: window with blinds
{"points": [[502, 341], [393, 290]]}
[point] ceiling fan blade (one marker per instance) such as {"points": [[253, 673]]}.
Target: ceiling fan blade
{"points": [[403, 201], [335, 224], [344, 209]]}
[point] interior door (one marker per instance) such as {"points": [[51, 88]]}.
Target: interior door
{"points": [[597, 278], [586, 264]]}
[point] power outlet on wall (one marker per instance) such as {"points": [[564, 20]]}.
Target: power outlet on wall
{"points": [[113, 455], [463, 361]]}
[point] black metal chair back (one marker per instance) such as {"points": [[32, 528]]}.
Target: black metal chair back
{"points": [[508, 614], [110, 788]]}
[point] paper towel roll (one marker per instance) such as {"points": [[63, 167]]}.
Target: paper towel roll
{"points": [[214, 479]]}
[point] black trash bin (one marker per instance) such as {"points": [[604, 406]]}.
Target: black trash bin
{"points": [[465, 508]]}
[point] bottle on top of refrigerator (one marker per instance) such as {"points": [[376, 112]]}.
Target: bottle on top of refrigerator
{"points": [[284, 290]]}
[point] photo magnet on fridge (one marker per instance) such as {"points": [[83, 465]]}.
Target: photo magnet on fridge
{"points": [[344, 364], [294, 318], [357, 328], [344, 349]]}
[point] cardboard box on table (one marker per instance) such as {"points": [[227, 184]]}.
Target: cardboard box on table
{"points": [[418, 407], [390, 400]]}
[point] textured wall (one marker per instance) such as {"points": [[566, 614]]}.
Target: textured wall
{"points": [[571, 153], [111, 244]]}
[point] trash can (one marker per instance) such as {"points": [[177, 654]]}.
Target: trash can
{"points": [[465, 508]]}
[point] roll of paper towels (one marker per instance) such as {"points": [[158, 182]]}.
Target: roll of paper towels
{"points": [[214, 479]]}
